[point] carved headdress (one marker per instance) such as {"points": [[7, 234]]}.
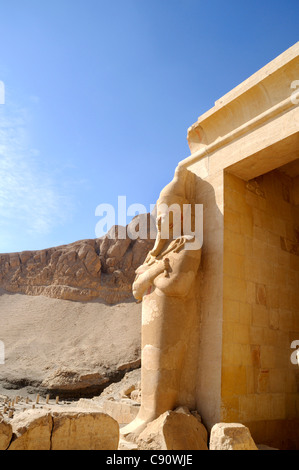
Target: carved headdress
{"points": [[181, 190]]}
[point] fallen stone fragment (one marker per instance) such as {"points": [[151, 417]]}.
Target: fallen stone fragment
{"points": [[136, 396], [64, 429], [31, 430], [126, 445], [174, 430], [126, 392], [231, 436], [5, 433]]}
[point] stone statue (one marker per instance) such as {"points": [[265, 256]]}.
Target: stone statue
{"points": [[166, 285]]}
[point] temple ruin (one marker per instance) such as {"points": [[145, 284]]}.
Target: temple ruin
{"points": [[245, 153]]}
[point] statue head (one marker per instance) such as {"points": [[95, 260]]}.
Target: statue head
{"points": [[171, 207]]}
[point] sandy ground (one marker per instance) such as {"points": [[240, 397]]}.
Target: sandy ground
{"points": [[45, 336]]}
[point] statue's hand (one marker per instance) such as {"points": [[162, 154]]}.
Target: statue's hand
{"points": [[142, 269], [145, 279]]}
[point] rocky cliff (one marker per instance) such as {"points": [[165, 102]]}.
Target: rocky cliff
{"points": [[69, 322], [103, 268]]}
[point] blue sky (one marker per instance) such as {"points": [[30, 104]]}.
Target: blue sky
{"points": [[99, 96]]}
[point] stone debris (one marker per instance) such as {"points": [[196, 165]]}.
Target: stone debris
{"points": [[9, 408], [41, 423], [126, 445], [123, 411], [174, 430], [126, 393], [62, 428], [82, 430], [231, 436], [5, 433], [31, 430], [136, 396], [118, 399]]}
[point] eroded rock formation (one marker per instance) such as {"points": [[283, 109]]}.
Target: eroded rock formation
{"points": [[58, 346], [81, 271]]}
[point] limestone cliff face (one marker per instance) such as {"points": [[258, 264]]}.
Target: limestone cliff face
{"points": [[102, 268]]}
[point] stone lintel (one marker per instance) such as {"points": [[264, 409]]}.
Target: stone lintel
{"points": [[268, 96]]}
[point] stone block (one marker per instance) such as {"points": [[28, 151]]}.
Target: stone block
{"points": [[64, 429], [84, 431], [174, 430], [123, 411], [231, 436], [32, 430], [5, 433]]}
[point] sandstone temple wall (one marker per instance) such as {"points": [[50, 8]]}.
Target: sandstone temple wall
{"points": [[245, 153], [261, 302]]}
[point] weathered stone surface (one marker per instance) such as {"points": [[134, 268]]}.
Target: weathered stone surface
{"points": [[123, 411], [126, 445], [126, 392], [174, 430], [136, 396], [116, 400], [87, 269], [196, 415], [231, 436], [84, 431], [64, 429], [252, 144], [87, 404], [31, 431], [69, 382], [5, 433], [116, 391]]}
